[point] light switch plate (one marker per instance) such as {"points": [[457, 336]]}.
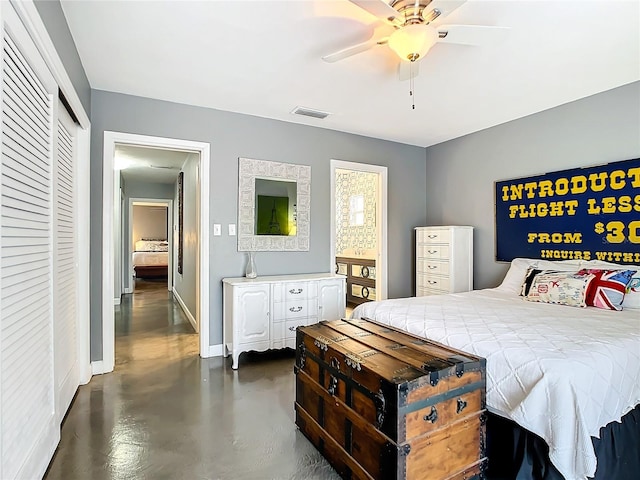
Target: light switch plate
{"points": [[232, 229], [217, 229]]}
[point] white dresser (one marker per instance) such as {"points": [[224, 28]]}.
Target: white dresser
{"points": [[263, 313], [444, 260]]}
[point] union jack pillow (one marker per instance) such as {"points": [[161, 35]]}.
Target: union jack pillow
{"points": [[608, 287]]}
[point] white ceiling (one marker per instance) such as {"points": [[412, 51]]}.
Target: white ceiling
{"points": [[264, 57], [148, 164]]}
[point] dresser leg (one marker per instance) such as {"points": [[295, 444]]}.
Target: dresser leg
{"points": [[234, 360]]}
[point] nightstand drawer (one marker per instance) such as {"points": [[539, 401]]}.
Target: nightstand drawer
{"points": [[428, 266], [433, 282], [433, 251], [434, 236]]}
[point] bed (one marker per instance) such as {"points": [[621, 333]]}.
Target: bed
{"points": [[151, 259], [564, 375]]}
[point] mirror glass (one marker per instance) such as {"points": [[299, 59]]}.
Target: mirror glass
{"points": [[276, 206], [273, 206]]}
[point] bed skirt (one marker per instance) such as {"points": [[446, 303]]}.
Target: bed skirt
{"points": [[151, 271], [517, 454]]}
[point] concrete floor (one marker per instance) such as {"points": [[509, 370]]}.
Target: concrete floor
{"points": [[165, 413]]}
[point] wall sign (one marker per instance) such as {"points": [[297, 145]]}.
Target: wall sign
{"points": [[585, 213]]}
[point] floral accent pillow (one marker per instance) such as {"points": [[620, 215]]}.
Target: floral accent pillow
{"points": [[608, 288], [561, 288]]}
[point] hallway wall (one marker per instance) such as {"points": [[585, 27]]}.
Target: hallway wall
{"points": [[185, 283]]}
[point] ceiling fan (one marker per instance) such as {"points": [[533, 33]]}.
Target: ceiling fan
{"points": [[416, 29]]}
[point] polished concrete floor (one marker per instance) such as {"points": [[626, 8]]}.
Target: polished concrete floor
{"points": [[165, 413]]}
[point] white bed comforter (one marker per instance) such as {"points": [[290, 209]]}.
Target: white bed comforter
{"points": [[560, 372]]}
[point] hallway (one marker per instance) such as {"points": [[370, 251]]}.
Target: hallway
{"points": [[165, 413]]}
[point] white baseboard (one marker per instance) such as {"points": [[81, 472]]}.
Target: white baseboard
{"points": [[215, 351], [97, 367], [186, 311], [128, 290]]}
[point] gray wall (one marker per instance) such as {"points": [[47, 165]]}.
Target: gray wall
{"points": [[130, 189], [234, 135], [185, 283], [461, 173], [54, 20]]}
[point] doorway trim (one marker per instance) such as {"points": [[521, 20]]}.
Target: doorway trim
{"points": [[108, 180], [381, 219], [170, 228]]}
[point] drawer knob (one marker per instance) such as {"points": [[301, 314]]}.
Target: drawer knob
{"points": [[432, 236], [295, 309], [432, 267], [295, 291], [432, 282], [432, 416], [461, 405], [293, 329], [431, 252], [365, 272]]}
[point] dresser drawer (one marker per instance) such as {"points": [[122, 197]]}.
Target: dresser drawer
{"points": [[433, 283], [434, 251], [295, 291], [295, 309], [435, 267], [291, 325], [434, 236]]}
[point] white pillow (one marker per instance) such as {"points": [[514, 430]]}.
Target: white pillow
{"points": [[512, 281]]}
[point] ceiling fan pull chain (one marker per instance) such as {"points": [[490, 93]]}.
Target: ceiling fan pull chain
{"points": [[412, 87]]}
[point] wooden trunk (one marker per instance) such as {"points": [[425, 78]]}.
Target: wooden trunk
{"points": [[380, 403]]}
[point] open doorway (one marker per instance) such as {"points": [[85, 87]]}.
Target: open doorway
{"points": [[148, 245], [359, 229], [185, 208]]}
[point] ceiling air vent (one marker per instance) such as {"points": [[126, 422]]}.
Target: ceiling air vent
{"points": [[310, 112]]}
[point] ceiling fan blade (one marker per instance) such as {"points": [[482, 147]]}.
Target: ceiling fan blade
{"points": [[380, 9], [472, 34], [408, 70], [353, 50], [444, 7]]}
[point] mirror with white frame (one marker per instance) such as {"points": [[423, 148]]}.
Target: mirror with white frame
{"points": [[273, 206]]}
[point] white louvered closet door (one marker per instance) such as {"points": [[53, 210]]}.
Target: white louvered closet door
{"points": [[29, 429], [65, 299]]}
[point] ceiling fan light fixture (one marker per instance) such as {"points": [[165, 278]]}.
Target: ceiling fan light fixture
{"points": [[412, 42]]}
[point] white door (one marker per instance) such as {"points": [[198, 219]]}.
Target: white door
{"points": [[253, 310], [29, 430], [65, 265], [331, 300]]}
